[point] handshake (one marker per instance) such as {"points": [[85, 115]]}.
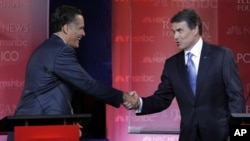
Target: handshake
{"points": [[131, 100]]}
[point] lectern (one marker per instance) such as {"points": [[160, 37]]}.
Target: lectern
{"points": [[239, 126], [44, 127]]}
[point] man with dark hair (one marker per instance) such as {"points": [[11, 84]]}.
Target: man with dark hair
{"points": [[203, 78], [53, 71]]}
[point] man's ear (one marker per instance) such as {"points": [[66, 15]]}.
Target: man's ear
{"points": [[65, 28], [196, 30]]}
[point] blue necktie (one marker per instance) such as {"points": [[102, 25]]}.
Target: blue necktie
{"points": [[191, 72]]}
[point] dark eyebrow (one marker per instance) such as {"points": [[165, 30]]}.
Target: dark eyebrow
{"points": [[179, 29]]}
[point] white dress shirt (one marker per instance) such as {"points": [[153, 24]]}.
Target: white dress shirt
{"points": [[196, 51]]}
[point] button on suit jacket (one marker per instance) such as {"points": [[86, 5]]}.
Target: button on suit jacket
{"points": [[219, 93]]}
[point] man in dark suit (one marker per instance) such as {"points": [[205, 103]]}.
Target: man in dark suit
{"points": [[214, 93], [53, 72]]}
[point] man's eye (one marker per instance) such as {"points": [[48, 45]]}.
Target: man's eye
{"points": [[179, 30]]}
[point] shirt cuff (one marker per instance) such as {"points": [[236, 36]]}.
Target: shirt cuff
{"points": [[140, 107]]}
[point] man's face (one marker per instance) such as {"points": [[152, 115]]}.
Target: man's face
{"points": [[185, 37], [75, 32]]}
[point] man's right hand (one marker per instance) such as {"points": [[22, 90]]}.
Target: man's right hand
{"points": [[131, 100]]}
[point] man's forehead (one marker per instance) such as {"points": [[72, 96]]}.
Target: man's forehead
{"points": [[79, 20], [177, 25]]}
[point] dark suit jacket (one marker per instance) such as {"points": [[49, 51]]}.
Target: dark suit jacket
{"points": [[219, 92], [52, 73]]}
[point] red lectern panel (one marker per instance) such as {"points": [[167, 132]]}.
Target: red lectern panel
{"points": [[47, 133]]}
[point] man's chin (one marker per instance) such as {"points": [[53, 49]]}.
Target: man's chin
{"points": [[179, 47]]}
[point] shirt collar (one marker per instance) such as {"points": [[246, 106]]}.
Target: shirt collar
{"points": [[196, 49], [60, 37]]}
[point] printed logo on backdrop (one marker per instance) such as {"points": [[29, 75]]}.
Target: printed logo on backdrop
{"points": [[15, 27], [135, 78], [10, 43], [135, 38], [12, 39], [148, 118], [178, 3], [7, 109], [13, 34], [173, 114], [243, 5], [160, 138], [9, 56], [121, 118], [243, 57], [166, 28], [11, 84], [186, 3], [153, 20], [10, 4], [157, 58], [237, 30]]}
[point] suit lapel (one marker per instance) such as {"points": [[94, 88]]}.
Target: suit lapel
{"points": [[205, 61]]}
